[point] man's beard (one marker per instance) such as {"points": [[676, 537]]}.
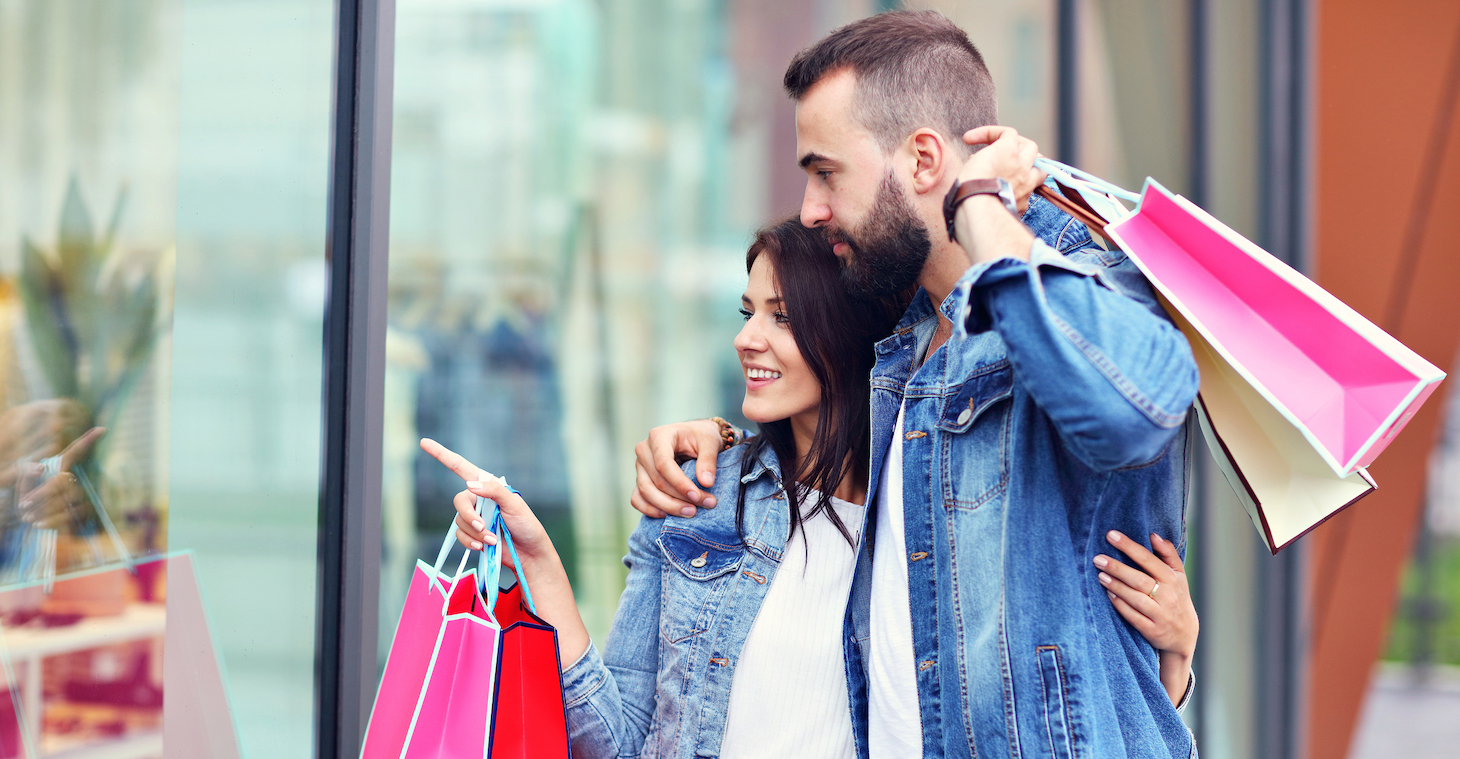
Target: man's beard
{"points": [[889, 251]]}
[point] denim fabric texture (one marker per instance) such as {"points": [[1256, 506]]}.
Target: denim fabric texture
{"points": [[661, 687], [1055, 412]]}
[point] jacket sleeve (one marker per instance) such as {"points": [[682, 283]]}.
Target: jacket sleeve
{"points": [[1088, 340], [610, 698]]}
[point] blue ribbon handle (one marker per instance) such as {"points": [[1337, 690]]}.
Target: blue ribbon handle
{"points": [[490, 562], [1073, 176]]}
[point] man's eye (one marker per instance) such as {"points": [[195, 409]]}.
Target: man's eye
{"points": [[824, 174], [745, 314]]}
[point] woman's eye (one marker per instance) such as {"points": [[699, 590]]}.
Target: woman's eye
{"points": [[781, 318], [745, 314]]}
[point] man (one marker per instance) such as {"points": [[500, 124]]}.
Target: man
{"points": [[1033, 390]]}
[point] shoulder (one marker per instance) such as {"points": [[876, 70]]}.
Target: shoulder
{"points": [[731, 467], [1056, 228]]}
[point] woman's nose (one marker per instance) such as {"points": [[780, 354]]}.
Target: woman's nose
{"points": [[749, 340]]}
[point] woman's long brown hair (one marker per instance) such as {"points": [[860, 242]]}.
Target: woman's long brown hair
{"points": [[835, 332]]}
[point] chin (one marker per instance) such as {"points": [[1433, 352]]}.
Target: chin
{"points": [[752, 412]]}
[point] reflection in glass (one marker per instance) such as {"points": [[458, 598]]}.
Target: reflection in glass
{"points": [[162, 206]]}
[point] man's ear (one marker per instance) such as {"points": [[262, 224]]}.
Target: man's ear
{"points": [[932, 160]]}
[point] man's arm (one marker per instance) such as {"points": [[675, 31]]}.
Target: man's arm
{"points": [[1114, 377]]}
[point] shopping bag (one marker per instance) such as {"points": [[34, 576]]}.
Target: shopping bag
{"points": [[1299, 392], [531, 720], [137, 672], [436, 692]]}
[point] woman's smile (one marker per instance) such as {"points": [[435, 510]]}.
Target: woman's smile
{"points": [[757, 377]]}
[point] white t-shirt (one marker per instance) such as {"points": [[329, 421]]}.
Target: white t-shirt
{"points": [[894, 724], [789, 694]]}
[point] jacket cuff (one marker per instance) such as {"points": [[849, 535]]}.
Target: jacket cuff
{"points": [[967, 310], [584, 677], [1190, 689]]}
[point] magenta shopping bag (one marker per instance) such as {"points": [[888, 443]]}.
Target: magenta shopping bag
{"points": [[1299, 392], [436, 693]]}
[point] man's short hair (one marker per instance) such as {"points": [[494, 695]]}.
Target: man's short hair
{"points": [[914, 69]]}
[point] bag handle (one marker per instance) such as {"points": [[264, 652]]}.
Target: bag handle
{"points": [[1073, 176], [490, 562]]}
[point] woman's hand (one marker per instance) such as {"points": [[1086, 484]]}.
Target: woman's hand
{"points": [[1157, 602], [527, 532], [541, 567]]}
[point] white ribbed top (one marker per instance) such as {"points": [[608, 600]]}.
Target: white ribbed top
{"points": [[789, 695]]}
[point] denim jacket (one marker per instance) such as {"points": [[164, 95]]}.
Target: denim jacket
{"points": [[1056, 411], [661, 687]]}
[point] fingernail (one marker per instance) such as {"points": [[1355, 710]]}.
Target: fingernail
{"points": [[477, 525], [1113, 536], [1111, 596], [708, 478], [1100, 561], [687, 511], [1155, 538], [709, 502], [1104, 579], [693, 495], [473, 485], [476, 545], [490, 539]]}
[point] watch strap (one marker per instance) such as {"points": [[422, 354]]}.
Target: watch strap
{"points": [[961, 191]]}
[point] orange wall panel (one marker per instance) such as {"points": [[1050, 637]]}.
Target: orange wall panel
{"points": [[1387, 242]]}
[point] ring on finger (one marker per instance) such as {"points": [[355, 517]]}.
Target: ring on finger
{"points": [[1152, 592]]}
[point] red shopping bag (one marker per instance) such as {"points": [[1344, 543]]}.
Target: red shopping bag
{"points": [[531, 720]]}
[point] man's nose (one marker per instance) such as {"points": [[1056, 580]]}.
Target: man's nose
{"points": [[814, 210]]}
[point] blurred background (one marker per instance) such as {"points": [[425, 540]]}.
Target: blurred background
{"points": [[572, 185]]}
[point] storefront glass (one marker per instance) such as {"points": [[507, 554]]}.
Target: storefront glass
{"points": [[162, 206]]}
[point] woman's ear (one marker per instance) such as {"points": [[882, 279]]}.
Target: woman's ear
{"points": [[932, 160]]}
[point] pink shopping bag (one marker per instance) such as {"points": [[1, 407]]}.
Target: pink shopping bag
{"points": [[436, 694], [1299, 392]]}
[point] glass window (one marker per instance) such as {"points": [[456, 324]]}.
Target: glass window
{"points": [[162, 206]]}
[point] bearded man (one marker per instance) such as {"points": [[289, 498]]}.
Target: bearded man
{"points": [[1033, 390]]}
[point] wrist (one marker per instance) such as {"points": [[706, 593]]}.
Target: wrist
{"points": [[988, 231]]}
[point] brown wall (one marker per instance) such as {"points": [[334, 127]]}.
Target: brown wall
{"points": [[1387, 239]]}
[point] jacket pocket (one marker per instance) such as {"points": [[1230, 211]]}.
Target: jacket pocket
{"points": [[974, 426], [1056, 695], [702, 571]]}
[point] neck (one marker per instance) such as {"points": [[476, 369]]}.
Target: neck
{"points": [[852, 488], [947, 262]]}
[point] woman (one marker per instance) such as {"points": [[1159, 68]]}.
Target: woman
{"points": [[728, 637]]}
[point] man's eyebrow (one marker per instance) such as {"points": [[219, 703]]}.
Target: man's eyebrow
{"points": [[810, 158]]}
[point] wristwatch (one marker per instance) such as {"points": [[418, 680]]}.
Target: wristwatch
{"points": [[961, 191]]}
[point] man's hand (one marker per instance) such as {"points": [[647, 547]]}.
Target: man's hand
{"points": [[1005, 155], [984, 227], [660, 487]]}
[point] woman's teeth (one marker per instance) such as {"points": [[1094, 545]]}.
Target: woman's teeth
{"points": [[762, 374]]}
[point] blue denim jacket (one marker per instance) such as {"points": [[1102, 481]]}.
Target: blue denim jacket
{"points": [[662, 685], [1055, 412]]}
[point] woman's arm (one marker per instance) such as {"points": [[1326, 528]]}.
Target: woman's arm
{"points": [[1157, 602], [610, 698], [551, 590]]}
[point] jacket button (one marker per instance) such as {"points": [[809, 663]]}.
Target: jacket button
{"points": [[965, 416], [699, 561]]}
